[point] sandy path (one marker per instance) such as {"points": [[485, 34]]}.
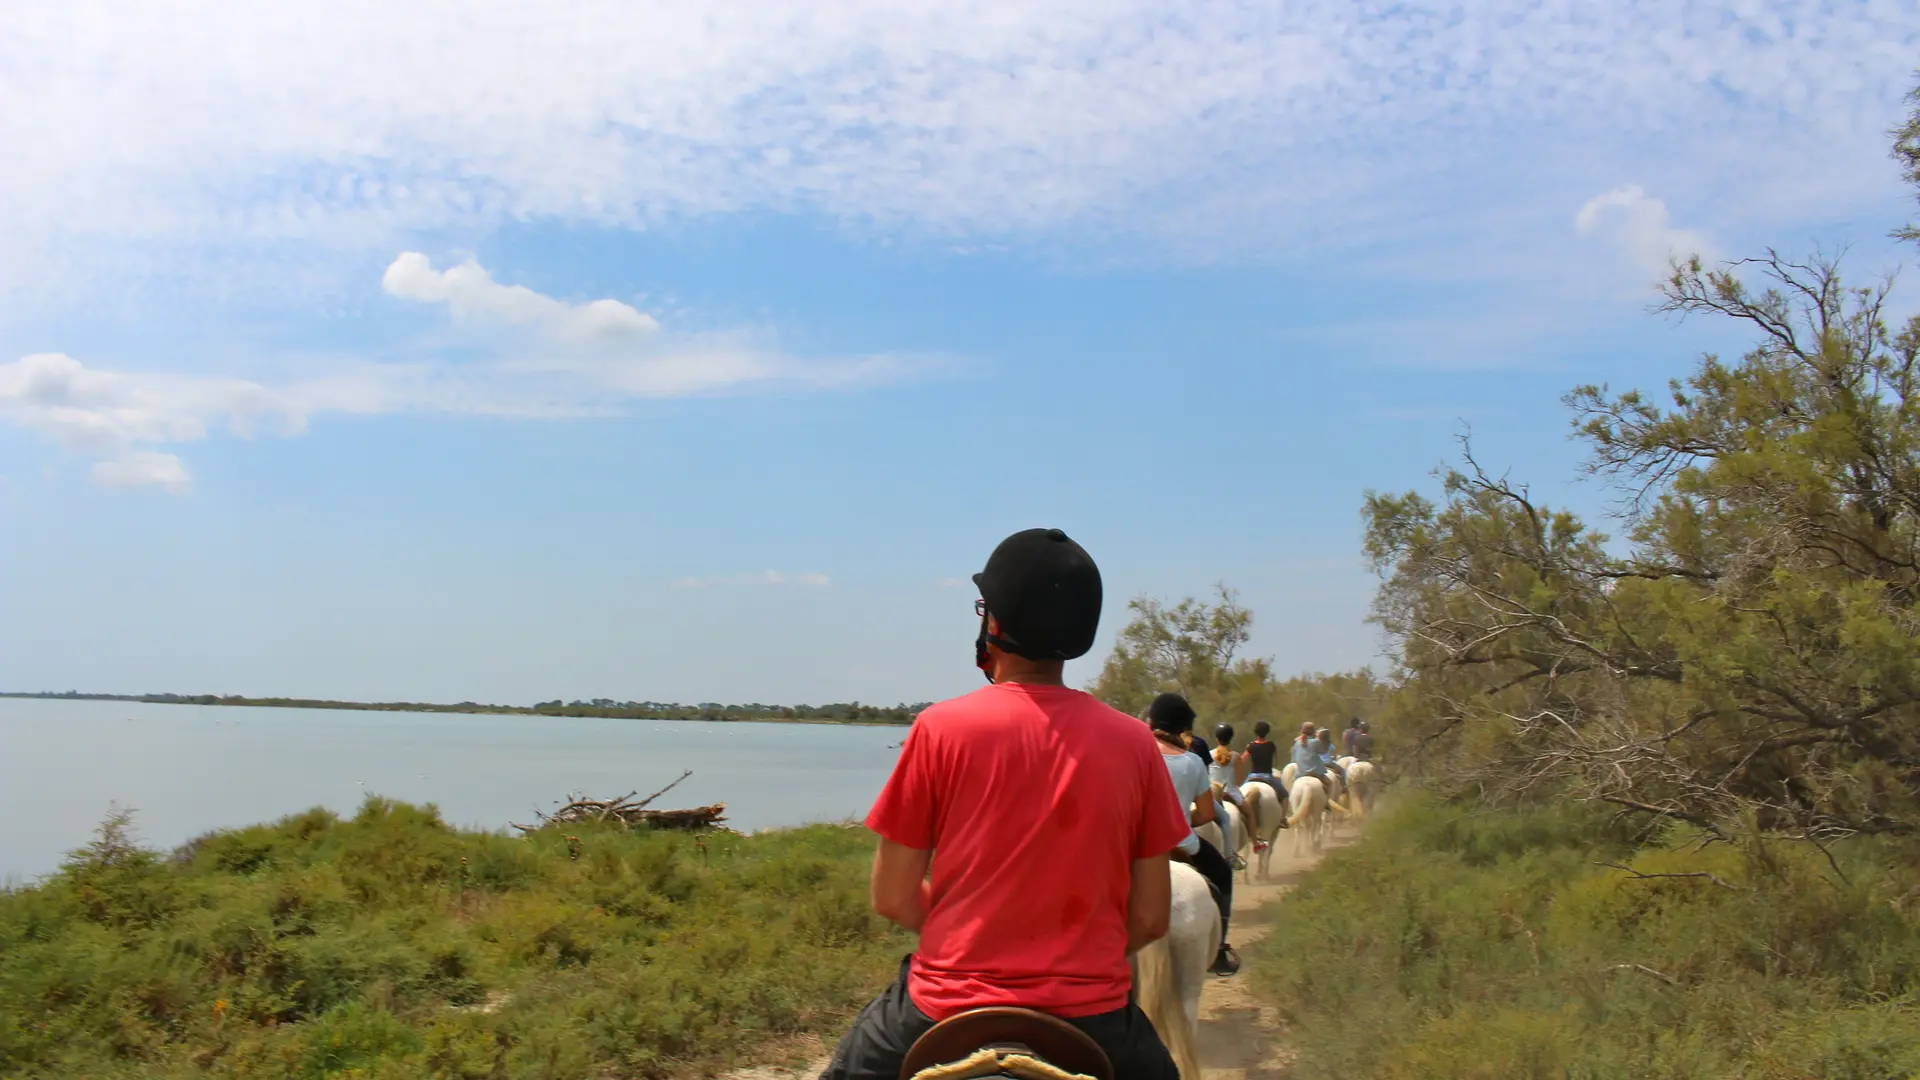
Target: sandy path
{"points": [[1239, 1036]]}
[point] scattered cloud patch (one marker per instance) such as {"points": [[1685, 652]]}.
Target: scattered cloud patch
{"points": [[588, 359], [765, 577], [92, 410], [1209, 131], [144, 468], [605, 351], [108, 414], [1639, 225], [472, 295]]}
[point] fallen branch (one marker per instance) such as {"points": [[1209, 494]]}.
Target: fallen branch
{"points": [[579, 809], [1645, 970], [1701, 874]]}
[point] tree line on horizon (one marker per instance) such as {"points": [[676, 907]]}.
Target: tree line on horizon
{"points": [[846, 712]]}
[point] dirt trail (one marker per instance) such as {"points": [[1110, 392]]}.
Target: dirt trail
{"points": [[1239, 1036]]}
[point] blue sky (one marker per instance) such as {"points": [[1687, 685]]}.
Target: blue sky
{"points": [[700, 351]]}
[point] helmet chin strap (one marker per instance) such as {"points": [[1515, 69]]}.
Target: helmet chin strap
{"points": [[981, 659]]}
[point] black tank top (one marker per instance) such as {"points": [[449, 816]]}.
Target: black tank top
{"points": [[1261, 754]]}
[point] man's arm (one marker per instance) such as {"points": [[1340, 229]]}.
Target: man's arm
{"points": [[900, 889], [1149, 902]]}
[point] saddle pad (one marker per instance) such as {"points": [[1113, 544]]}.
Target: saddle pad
{"points": [[991, 1062]]}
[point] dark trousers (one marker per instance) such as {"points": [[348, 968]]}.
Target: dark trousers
{"points": [[1219, 873], [876, 1045]]}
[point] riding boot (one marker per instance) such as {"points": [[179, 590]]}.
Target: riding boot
{"points": [[1225, 962]]}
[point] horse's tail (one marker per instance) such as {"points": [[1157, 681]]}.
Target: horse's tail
{"points": [[1304, 804], [1157, 992], [1360, 781]]}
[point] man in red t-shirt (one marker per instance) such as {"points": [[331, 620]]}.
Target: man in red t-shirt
{"points": [[1052, 817]]}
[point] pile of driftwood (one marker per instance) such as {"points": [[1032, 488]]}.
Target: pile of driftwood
{"points": [[630, 813]]}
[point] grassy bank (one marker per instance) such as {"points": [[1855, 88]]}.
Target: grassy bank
{"points": [[391, 945], [1489, 945]]}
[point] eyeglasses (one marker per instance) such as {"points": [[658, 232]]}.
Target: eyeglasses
{"points": [[980, 607]]}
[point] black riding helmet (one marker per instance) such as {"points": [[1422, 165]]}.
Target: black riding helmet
{"points": [[1044, 591], [1223, 734], [1170, 713]]}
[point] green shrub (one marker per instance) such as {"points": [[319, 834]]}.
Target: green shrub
{"points": [[1495, 944], [391, 945]]}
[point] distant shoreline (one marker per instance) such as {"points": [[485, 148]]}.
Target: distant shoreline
{"points": [[842, 714]]}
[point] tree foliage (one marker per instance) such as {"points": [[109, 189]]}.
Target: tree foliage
{"points": [[1750, 650], [1194, 648]]}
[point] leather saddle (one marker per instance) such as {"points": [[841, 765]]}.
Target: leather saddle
{"points": [[1036, 1034]]}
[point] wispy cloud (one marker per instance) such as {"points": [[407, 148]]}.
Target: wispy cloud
{"points": [[473, 296], [765, 577], [1639, 225], [144, 468], [312, 135], [588, 358]]}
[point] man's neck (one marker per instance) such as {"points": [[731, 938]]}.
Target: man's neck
{"points": [[1018, 669]]}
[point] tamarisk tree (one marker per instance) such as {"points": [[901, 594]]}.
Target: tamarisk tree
{"points": [[1752, 651]]}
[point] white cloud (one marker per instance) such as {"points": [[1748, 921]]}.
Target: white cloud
{"points": [[584, 359], [102, 411], [765, 577], [311, 135], [145, 468], [472, 295], [1640, 226]]}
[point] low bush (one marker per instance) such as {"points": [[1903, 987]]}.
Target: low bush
{"points": [[1498, 944], [391, 945]]}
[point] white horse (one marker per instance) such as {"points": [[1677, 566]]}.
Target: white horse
{"points": [[1361, 778], [1310, 811], [1169, 974], [1272, 812], [1210, 832], [1329, 787]]}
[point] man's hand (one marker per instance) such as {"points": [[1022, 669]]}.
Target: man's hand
{"points": [[900, 890], [1149, 902]]}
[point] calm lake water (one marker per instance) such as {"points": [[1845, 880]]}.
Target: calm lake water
{"points": [[187, 769]]}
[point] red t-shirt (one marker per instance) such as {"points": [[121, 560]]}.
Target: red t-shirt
{"points": [[1035, 800]]}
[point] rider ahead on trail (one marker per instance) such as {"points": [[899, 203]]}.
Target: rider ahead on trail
{"points": [[1171, 718], [1259, 757], [1306, 755], [1325, 742], [1362, 744], [1045, 883], [1223, 768]]}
